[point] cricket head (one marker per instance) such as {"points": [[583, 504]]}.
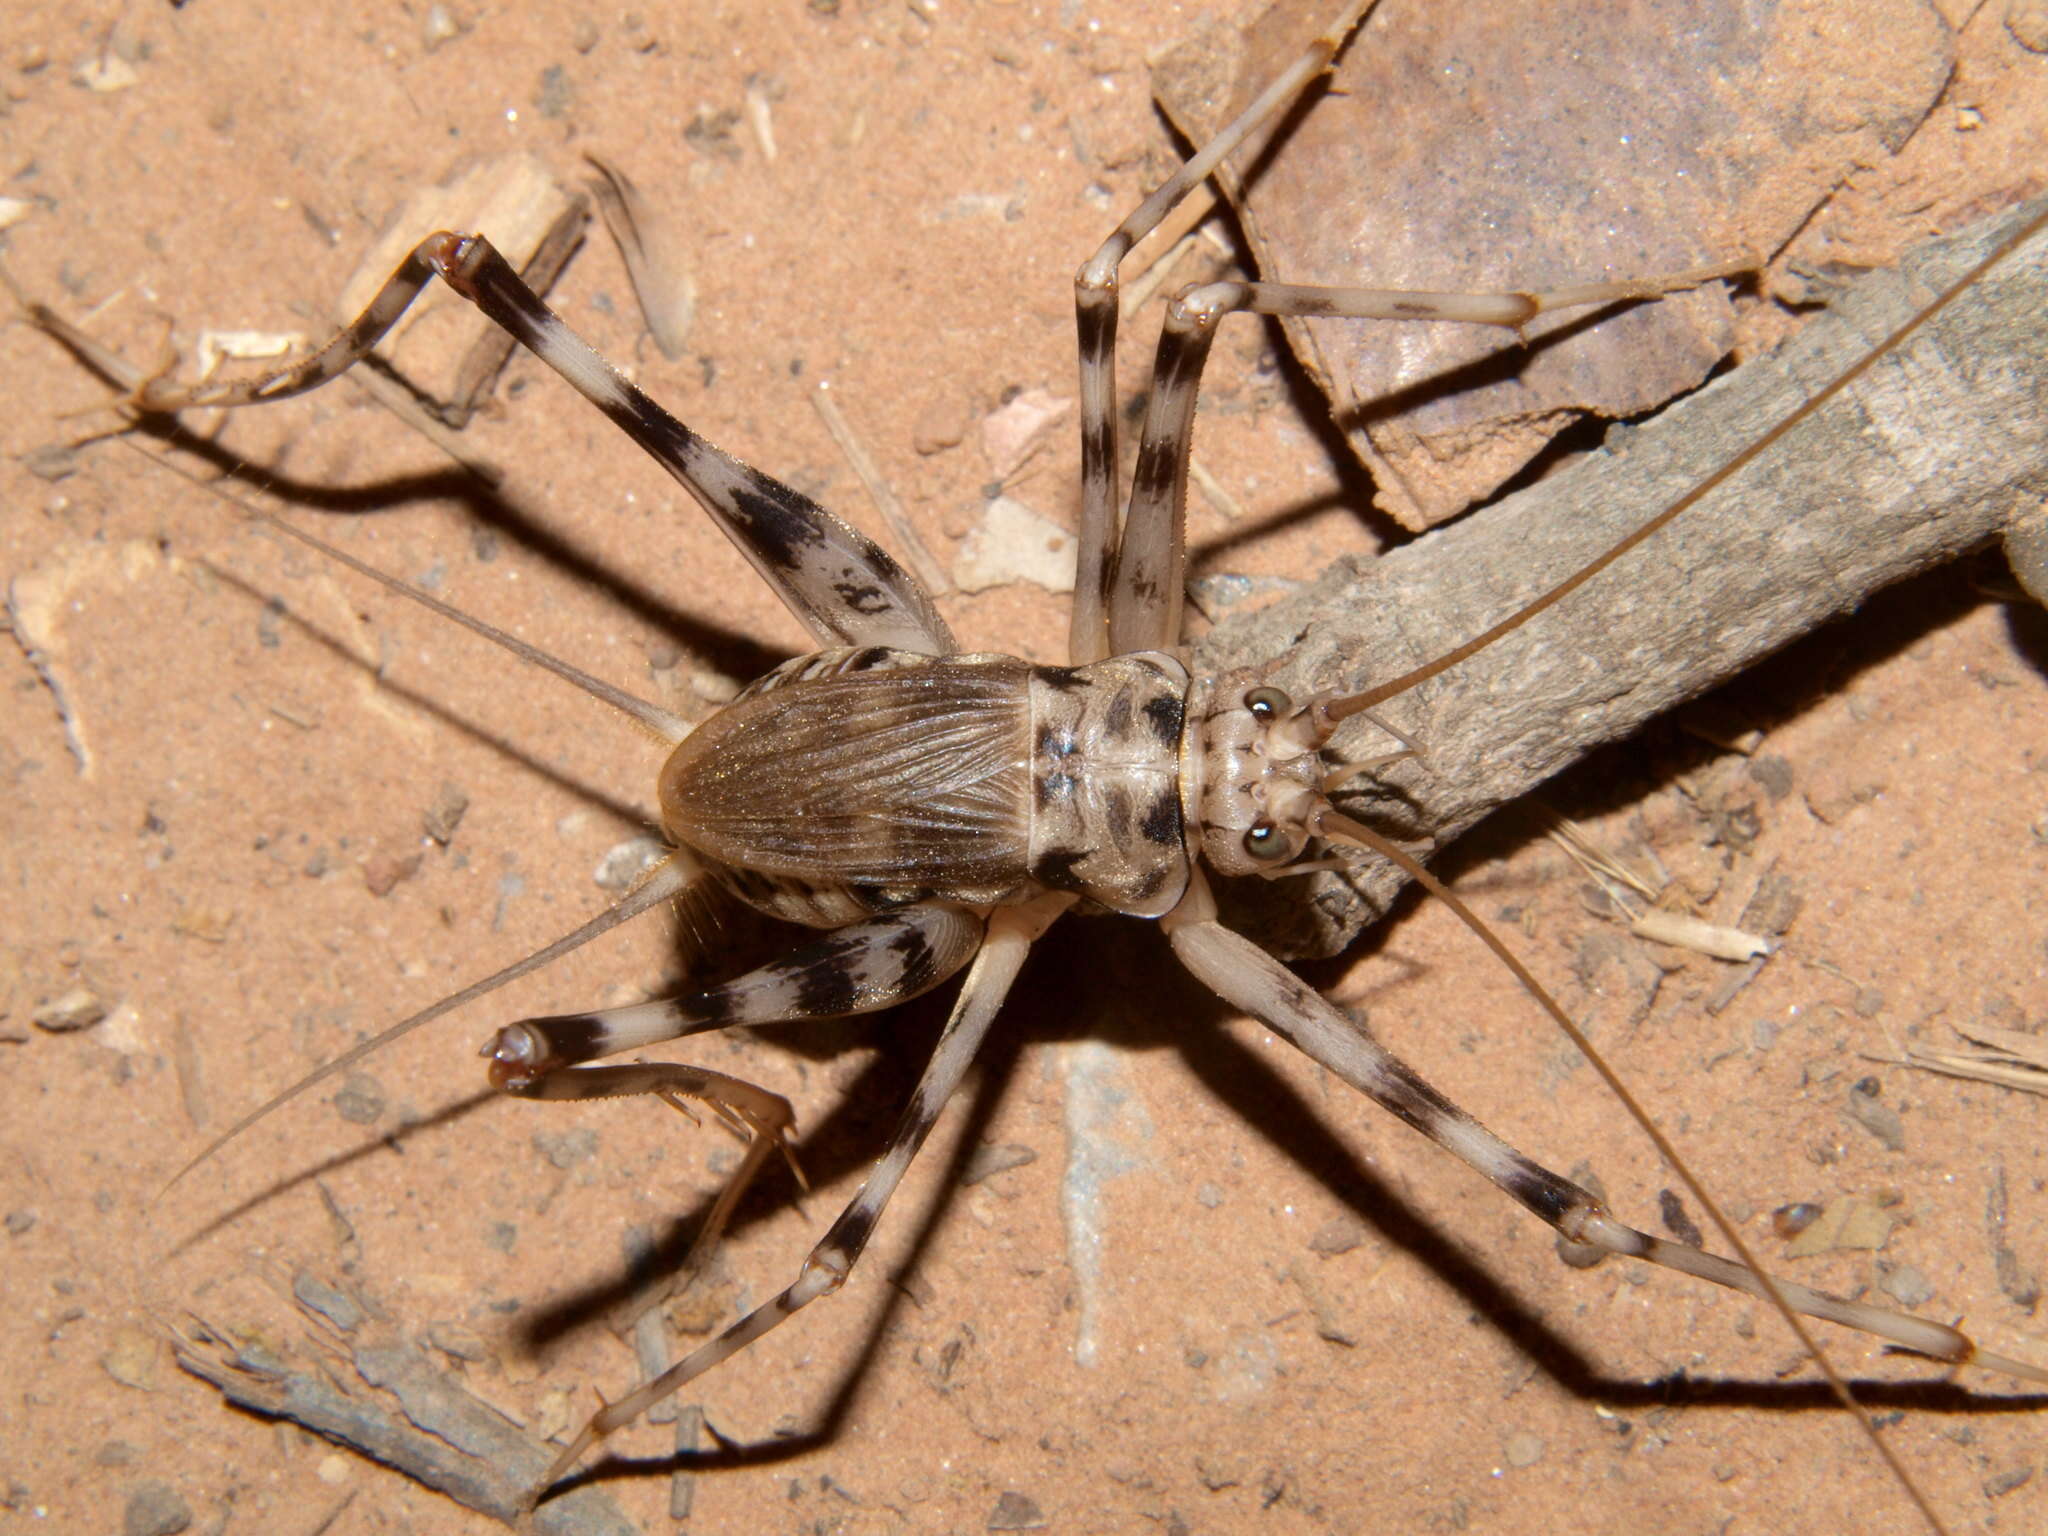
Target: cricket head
{"points": [[1260, 781], [1257, 766]]}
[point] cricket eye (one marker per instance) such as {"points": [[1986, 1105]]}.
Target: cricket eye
{"points": [[1265, 842], [1267, 704]]}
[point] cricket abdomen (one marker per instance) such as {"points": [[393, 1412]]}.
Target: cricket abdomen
{"points": [[867, 779]]}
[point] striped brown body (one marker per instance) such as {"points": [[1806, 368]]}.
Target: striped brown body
{"points": [[855, 781]]}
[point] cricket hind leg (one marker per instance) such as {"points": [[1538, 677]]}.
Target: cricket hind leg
{"points": [[1010, 933], [861, 968], [1246, 977]]}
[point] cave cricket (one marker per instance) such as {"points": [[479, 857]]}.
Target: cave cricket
{"points": [[933, 813]]}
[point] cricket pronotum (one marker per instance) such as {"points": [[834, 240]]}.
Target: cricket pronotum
{"points": [[960, 1361]]}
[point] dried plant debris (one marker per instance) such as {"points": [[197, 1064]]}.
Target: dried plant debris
{"points": [[1625, 887], [444, 351], [2011, 1058], [1875, 1116], [1848, 1222], [879, 492], [2020, 1284], [1013, 543], [376, 1392], [657, 263]]}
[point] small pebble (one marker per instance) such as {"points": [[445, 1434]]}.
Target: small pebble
{"points": [[567, 1149], [155, 1508], [1015, 1512], [2002, 1483], [79, 1008], [624, 863], [1876, 1116], [989, 1161], [361, 1100], [1338, 1235], [1905, 1285], [438, 27], [440, 819]]}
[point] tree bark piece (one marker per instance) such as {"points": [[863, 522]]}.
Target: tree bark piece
{"points": [[1938, 448]]}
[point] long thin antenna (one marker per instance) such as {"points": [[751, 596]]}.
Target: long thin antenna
{"points": [[667, 879], [1330, 823], [671, 728], [1333, 710]]}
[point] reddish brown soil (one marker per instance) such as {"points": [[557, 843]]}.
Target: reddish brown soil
{"points": [[942, 169]]}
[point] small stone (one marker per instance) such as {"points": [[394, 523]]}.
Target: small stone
{"points": [[1847, 1224], [2000, 1484], [52, 461], [1013, 543], [1905, 1285], [1877, 1117], [1523, 1449], [1010, 433], [439, 26], [2027, 21], [384, 873], [134, 1359], [988, 1161], [1208, 1195], [103, 74], [624, 863], [1015, 1512], [155, 1508], [567, 1149], [555, 94], [79, 1008], [1340, 1234], [1773, 773], [361, 1099], [442, 817], [940, 425], [1220, 592]]}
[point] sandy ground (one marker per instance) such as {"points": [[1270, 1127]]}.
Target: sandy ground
{"points": [[1279, 1311]]}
